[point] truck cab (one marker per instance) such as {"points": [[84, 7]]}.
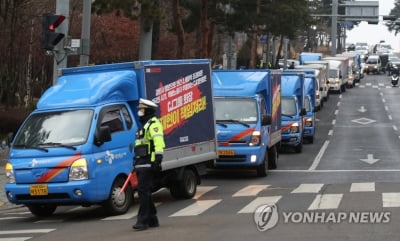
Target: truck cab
{"points": [[293, 110], [247, 110]]}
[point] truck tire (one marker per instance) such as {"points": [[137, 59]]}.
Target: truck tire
{"points": [[299, 147], [272, 158], [42, 210], [116, 203], [186, 187], [263, 167]]}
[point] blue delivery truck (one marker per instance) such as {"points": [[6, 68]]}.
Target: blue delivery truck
{"points": [[310, 83], [248, 118], [293, 110], [77, 146]]}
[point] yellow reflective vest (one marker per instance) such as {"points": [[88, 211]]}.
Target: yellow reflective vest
{"points": [[153, 136]]}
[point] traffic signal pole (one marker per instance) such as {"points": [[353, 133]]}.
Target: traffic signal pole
{"points": [[60, 55]]}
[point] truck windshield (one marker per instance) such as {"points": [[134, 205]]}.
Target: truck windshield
{"points": [[55, 129], [243, 110], [333, 73], [288, 106]]}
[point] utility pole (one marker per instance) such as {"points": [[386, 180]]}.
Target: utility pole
{"points": [[334, 26], [60, 55], [85, 34]]}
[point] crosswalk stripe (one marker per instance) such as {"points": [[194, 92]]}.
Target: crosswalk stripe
{"points": [[326, 201], [196, 208], [391, 199], [308, 188], [363, 187], [201, 190], [10, 218], [15, 239], [129, 215], [7, 232], [251, 207], [250, 190]]}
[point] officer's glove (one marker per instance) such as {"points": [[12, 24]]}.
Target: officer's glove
{"points": [[157, 163]]}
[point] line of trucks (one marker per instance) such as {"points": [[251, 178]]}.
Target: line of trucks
{"points": [[77, 146]]}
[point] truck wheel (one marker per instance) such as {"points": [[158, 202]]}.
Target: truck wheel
{"points": [[116, 203], [186, 187], [272, 158], [42, 210], [262, 169], [299, 147]]}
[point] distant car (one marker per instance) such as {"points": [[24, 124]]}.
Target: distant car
{"points": [[373, 65]]}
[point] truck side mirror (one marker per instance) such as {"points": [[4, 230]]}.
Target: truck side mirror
{"points": [[303, 111], [103, 134], [266, 120], [10, 137]]}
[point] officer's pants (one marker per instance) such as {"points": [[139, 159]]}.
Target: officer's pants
{"points": [[147, 210]]}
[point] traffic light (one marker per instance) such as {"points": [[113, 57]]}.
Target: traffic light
{"points": [[50, 38], [389, 17]]}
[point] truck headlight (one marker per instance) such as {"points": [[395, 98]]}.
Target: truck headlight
{"points": [[9, 173], [255, 138], [294, 128], [79, 170], [308, 122]]}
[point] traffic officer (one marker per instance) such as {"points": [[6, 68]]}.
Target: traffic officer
{"points": [[149, 148]]}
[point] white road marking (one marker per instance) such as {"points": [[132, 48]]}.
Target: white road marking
{"points": [[336, 112], [390, 117], [250, 190], [333, 122], [251, 207], [394, 127], [330, 133], [15, 239], [196, 208], [308, 188], [391, 199], [7, 232], [326, 201], [201, 190], [363, 187], [319, 156]]}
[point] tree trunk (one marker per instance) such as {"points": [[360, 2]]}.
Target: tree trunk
{"points": [[204, 29], [180, 33], [253, 51]]}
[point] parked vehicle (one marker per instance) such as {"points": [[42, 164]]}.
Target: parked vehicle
{"points": [[248, 118], [322, 76], [309, 56], [77, 146], [338, 73], [310, 85], [373, 65], [293, 110]]}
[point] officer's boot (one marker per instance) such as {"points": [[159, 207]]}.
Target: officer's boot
{"points": [[153, 222]]}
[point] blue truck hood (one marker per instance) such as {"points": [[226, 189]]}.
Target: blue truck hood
{"points": [[28, 169], [234, 134]]}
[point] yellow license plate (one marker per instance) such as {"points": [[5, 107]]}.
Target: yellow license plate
{"points": [[226, 152], [38, 190]]}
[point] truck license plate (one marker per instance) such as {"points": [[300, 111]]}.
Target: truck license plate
{"points": [[226, 152], [38, 190]]}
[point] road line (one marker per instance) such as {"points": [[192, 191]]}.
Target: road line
{"points": [[333, 122], [386, 108], [201, 190], [394, 127], [390, 117], [330, 132], [319, 156], [15, 239], [383, 100], [363, 187], [338, 104], [336, 112], [308, 188], [326, 201], [391, 199], [251, 207], [196, 208], [7, 232], [250, 190]]}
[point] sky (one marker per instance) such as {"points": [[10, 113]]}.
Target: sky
{"points": [[372, 33]]}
